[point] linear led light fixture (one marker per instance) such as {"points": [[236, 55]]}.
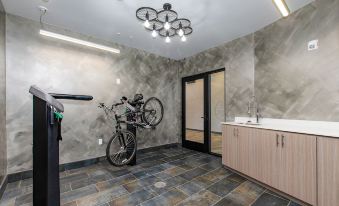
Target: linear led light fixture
{"points": [[282, 7], [78, 41]]}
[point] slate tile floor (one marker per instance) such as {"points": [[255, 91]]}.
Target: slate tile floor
{"points": [[187, 178]]}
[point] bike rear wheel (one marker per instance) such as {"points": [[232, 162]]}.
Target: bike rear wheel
{"points": [[153, 111], [121, 148]]}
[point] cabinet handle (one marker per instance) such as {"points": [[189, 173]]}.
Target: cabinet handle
{"points": [[277, 139], [237, 132], [282, 140], [234, 132]]}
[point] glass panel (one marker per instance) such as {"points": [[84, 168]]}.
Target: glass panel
{"points": [[217, 110], [195, 111]]}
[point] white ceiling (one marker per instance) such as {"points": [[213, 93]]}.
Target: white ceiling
{"points": [[214, 21]]}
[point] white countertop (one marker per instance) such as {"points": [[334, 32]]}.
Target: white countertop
{"points": [[317, 128]]}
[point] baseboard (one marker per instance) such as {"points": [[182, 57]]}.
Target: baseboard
{"points": [[3, 185], [79, 164]]}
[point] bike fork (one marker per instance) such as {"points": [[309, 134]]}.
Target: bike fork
{"points": [[122, 140]]}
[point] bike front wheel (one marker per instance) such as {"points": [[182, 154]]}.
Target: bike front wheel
{"points": [[153, 112], [121, 148]]}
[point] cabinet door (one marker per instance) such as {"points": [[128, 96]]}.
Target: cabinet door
{"points": [[243, 137], [265, 156], [230, 149], [299, 166], [328, 171]]}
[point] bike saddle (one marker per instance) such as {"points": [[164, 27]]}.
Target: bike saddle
{"points": [[138, 97]]}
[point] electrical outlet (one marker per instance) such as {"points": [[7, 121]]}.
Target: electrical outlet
{"points": [[313, 45], [100, 141]]}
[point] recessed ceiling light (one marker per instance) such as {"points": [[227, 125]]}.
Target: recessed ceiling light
{"points": [[78, 41], [282, 7]]}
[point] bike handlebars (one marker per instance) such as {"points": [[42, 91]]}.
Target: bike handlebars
{"points": [[72, 97]]}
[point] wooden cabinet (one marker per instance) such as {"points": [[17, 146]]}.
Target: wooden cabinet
{"points": [[236, 148], [328, 171], [285, 161], [230, 151], [298, 166], [243, 159]]}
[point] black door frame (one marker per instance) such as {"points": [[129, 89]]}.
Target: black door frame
{"points": [[207, 112]]}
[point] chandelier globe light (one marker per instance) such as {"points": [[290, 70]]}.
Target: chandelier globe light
{"points": [[164, 23]]}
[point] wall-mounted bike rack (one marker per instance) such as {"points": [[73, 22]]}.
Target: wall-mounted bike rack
{"points": [[47, 117]]}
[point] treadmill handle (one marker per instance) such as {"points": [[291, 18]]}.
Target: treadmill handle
{"points": [[72, 97]]}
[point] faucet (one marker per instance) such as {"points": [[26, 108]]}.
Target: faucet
{"points": [[253, 104]]}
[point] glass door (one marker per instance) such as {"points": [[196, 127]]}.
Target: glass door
{"points": [[203, 98], [195, 113], [217, 110]]}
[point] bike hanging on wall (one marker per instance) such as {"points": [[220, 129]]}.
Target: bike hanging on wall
{"points": [[122, 146]]}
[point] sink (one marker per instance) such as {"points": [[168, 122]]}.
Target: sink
{"points": [[248, 123]]}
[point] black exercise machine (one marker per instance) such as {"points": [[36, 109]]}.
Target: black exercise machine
{"points": [[47, 117]]}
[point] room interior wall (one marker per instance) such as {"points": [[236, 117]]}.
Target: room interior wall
{"points": [[3, 150], [292, 82], [237, 57], [61, 67], [274, 64]]}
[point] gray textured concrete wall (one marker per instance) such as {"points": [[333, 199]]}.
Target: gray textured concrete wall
{"points": [[62, 67], [237, 57], [291, 82], [3, 150]]}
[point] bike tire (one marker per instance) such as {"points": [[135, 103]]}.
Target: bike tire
{"points": [[161, 111], [131, 154]]}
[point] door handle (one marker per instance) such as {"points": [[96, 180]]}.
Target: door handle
{"points": [[282, 141], [277, 139]]}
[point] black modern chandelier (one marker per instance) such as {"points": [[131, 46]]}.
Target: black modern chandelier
{"points": [[164, 23]]}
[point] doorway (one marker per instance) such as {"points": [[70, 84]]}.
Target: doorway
{"points": [[203, 98]]}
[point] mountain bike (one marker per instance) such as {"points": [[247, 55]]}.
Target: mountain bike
{"points": [[121, 147]]}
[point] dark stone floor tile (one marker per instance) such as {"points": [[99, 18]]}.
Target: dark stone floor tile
{"points": [[13, 185], [13, 193], [211, 165], [77, 194], [132, 199], [119, 173], [202, 181], [70, 204], [236, 177], [163, 175], [102, 197], [169, 198], [26, 182], [223, 187], [148, 181], [191, 174], [203, 198], [267, 199], [174, 171], [116, 182], [190, 188], [217, 174], [186, 167], [152, 163], [65, 188], [24, 199], [294, 204], [133, 186], [73, 178], [90, 181], [245, 194], [168, 184]]}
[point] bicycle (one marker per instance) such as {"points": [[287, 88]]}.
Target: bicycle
{"points": [[121, 147]]}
